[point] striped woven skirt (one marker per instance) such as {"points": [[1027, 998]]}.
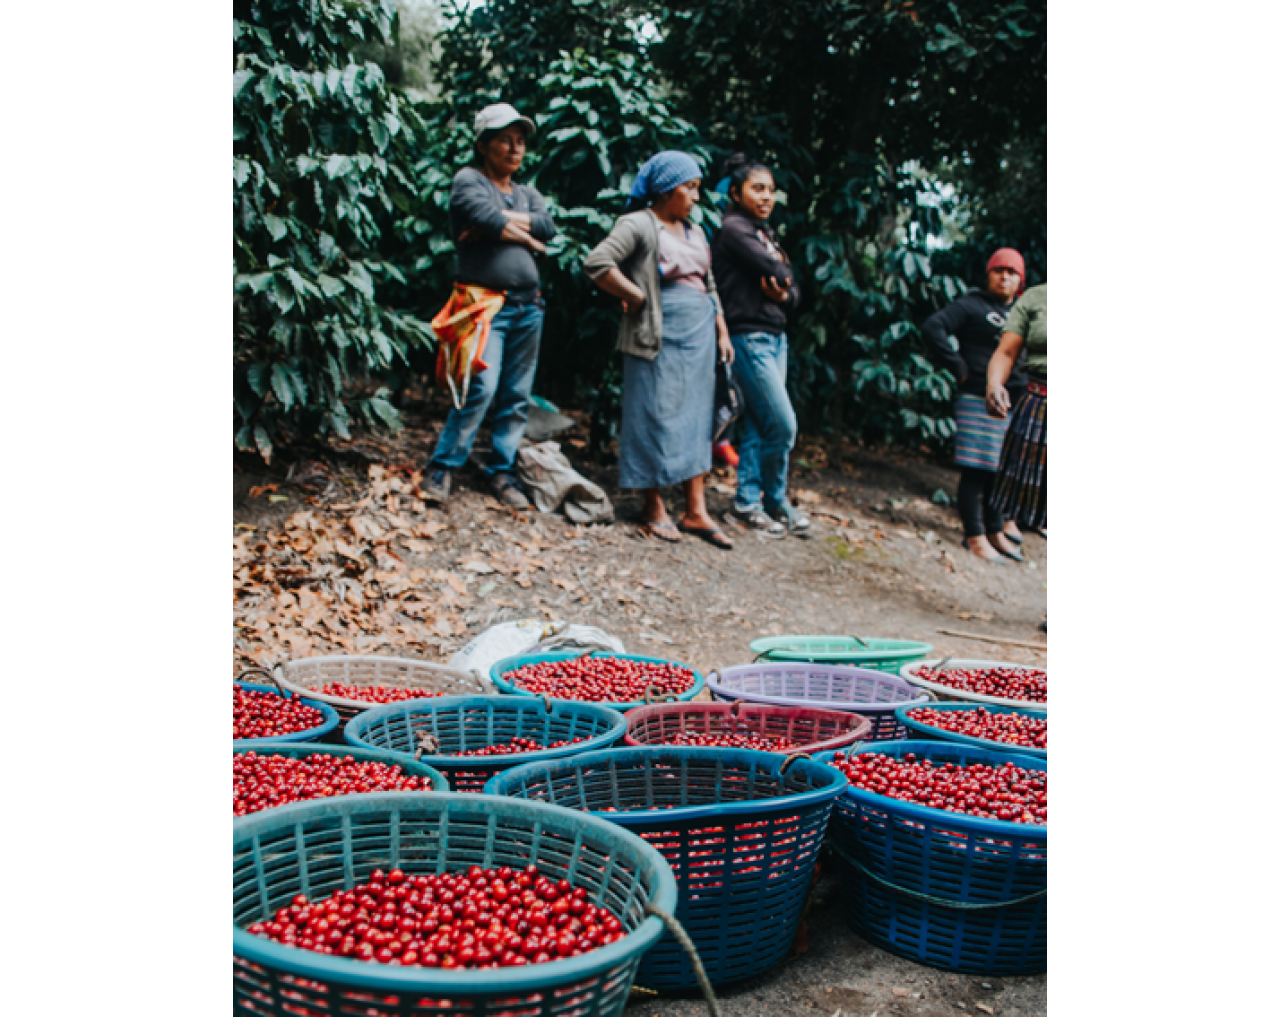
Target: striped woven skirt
{"points": [[979, 437], [1021, 488]]}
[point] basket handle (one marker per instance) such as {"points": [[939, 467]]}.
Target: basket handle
{"points": [[942, 664], [735, 711], [786, 763], [271, 677], [428, 744], [682, 937], [858, 639], [652, 695], [546, 701]]}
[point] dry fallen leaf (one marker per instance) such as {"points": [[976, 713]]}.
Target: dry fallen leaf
{"points": [[482, 568], [984, 1008], [899, 991], [808, 497]]}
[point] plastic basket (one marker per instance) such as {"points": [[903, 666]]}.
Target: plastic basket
{"points": [[321, 847], [499, 671], [947, 693], [741, 829], [309, 735], [461, 723], [873, 694], [811, 730], [886, 655], [303, 676], [922, 730], [296, 751], [951, 891]]}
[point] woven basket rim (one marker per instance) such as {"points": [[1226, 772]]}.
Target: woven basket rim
{"points": [[331, 721], [282, 669], [908, 673], [351, 973], [499, 669]]}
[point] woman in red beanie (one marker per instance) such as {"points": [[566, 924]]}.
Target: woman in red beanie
{"points": [[976, 321]]}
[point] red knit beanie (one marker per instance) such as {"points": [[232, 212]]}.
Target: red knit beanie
{"points": [[1007, 257]]}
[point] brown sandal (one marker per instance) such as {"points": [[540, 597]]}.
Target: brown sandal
{"points": [[663, 531], [711, 534]]}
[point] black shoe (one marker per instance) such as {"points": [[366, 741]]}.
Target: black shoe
{"points": [[506, 489], [437, 486]]}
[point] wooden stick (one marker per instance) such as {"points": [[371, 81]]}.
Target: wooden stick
{"points": [[995, 639]]}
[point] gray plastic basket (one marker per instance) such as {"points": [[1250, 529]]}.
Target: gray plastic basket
{"points": [[308, 673]]}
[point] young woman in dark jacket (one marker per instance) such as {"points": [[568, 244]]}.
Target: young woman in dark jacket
{"points": [[976, 320], [757, 290]]}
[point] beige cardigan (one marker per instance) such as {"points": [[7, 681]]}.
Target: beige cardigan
{"points": [[632, 247]]}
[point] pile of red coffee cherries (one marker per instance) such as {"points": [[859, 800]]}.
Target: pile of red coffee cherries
{"points": [[601, 679], [1010, 728], [734, 741], [1028, 683], [1006, 792], [517, 745], [484, 918], [374, 693], [265, 781], [267, 715]]}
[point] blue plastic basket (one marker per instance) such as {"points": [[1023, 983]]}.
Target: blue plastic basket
{"points": [[951, 891], [321, 847], [929, 731], [311, 734], [462, 723], [296, 751], [498, 675], [741, 829]]}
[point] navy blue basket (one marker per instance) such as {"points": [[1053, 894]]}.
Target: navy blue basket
{"points": [[952, 891], [920, 729], [462, 723], [311, 734], [741, 829], [320, 847]]}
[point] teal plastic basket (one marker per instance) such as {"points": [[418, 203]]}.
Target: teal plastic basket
{"points": [[321, 847], [887, 655], [741, 829], [499, 671], [919, 729], [295, 750], [328, 722], [460, 723]]}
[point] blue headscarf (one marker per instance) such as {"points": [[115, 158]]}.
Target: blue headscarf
{"points": [[664, 172]]}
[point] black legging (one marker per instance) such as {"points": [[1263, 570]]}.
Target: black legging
{"points": [[974, 499]]}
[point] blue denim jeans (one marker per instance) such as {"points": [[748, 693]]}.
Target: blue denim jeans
{"points": [[512, 355], [767, 428]]}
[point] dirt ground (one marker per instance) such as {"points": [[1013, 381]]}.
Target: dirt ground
{"points": [[336, 553]]}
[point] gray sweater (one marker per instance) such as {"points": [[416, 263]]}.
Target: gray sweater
{"points": [[483, 260], [632, 247]]}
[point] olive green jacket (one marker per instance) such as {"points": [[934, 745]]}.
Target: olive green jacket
{"points": [[632, 247]]}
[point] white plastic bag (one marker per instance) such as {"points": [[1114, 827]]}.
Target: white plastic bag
{"points": [[529, 635]]}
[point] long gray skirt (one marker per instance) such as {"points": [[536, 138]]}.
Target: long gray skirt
{"points": [[668, 402]]}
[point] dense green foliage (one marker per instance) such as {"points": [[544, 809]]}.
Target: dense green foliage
{"points": [[908, 139], [324, 215]]}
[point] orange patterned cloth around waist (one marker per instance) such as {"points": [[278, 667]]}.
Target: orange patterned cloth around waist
{"points": [[462, 330]]}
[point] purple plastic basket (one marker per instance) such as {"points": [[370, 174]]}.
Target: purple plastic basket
{"points": [[873, 694]]}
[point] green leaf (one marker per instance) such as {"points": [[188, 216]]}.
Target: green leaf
{"points": [[281, 385], [329, 286], [263, 441], [276, 226]]}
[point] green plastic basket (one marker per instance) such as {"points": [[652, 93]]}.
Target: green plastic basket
{"points": [[320, 847], [887, 655]]}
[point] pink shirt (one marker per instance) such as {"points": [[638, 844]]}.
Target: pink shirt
{"points": [[684, 260]]}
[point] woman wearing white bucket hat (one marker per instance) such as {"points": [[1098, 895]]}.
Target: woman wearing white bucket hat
{"points": [[498, 228]]}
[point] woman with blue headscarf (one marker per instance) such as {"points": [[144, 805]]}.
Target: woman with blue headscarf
{"points": [[672, 328]]}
